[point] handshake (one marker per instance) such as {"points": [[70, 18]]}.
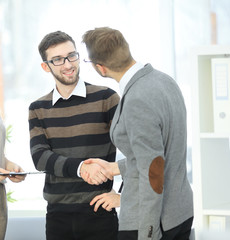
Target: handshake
{"points": [[95, 171]]}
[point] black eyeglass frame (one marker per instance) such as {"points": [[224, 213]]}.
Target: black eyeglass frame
{"points": [[89, 61], [64, 58]]}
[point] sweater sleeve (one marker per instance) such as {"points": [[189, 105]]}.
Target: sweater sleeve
{"points": [[43, 157], [143, 124], [122, 167]]}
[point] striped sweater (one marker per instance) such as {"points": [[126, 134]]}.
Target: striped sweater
{"points": [[63, 135]]}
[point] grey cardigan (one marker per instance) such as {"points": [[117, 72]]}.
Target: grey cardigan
{"points": [[149, 128]]}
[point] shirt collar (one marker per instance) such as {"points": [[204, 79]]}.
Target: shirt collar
{"points": [[79, 90], [128, 75]]}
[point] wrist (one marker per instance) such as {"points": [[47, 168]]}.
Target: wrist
{"points": [[115, 169]]}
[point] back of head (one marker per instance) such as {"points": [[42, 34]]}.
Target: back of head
{"points": [[51, 40], [108, 47]]}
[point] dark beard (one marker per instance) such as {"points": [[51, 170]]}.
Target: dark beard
{"points": [[62, 81]]}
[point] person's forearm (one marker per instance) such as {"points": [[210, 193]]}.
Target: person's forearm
{"points": [[12, 167], [9, 165], [115, 169]]}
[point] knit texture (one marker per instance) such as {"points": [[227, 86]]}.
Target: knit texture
{"points": [[64, 135]]}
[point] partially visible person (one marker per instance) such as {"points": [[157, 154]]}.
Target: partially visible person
{"points": [[149, 128], [6, 166], [68, 125]]}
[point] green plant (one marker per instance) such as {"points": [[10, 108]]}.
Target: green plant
{"points": [[8, 133], [8, 137], [9, 197]]}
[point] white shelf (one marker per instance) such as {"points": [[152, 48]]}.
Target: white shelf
{"points": [[219, 210], [210, 149], [215, 135]]}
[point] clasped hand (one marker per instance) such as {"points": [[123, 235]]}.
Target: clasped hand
{"points": [[95, 171]]}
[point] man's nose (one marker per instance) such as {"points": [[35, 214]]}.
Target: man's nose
{"points": [[67, 63]]}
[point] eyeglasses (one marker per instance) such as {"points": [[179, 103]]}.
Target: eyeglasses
{"points": [[61, 60], [90, 61], [87, 61]]}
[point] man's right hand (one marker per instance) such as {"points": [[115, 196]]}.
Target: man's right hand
{"points": [[94, 174], [95, 171]]}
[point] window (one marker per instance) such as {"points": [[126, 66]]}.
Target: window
{"points": [[159, 32]]}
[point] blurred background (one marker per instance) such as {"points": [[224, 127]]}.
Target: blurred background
{"points": [[161, 32]]}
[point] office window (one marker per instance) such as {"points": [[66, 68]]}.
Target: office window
{"points": [[160, 32]]}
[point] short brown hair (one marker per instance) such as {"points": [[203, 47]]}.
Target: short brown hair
{"points": [[108, 47], [53, 39]]}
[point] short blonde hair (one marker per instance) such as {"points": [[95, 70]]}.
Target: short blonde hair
{"points": [[108, 47]]}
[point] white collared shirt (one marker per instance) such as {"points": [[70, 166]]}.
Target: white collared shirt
{"points": [[128, 75], [79, 90]]}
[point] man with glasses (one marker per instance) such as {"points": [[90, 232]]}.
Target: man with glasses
{"points": [[67, 126]]}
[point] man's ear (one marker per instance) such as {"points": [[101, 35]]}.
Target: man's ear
{"points": [[45, 67], [102, 69]]}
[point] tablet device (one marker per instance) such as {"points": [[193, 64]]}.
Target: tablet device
{"points": [[19, 173]]}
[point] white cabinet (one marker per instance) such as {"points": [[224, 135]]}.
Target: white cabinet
{"points": [[211, 149]]}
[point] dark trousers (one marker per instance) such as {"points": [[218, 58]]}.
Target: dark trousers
{"points": [[128, 235], [102, 225], [181, 232]]}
